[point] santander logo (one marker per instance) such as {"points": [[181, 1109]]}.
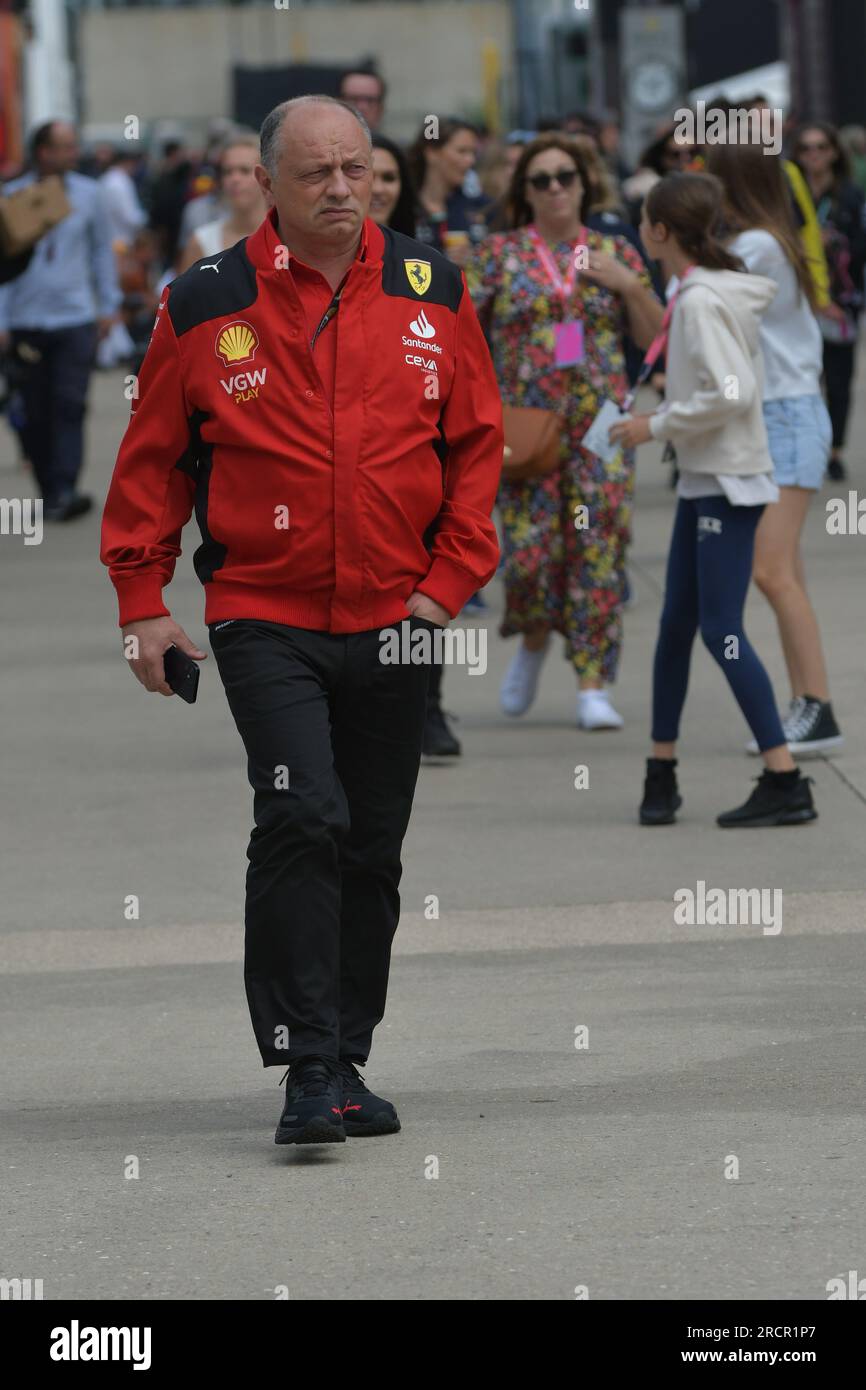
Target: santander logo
{"points": [[422, 326]]}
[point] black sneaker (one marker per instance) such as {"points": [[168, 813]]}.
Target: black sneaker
{"points": [[67, 508], [661, 797], [779, 798], [364, 1113], [836, 470], [811, 728], [439, 741], [313, 1111]]}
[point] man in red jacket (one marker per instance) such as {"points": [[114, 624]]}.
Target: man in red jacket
{"points": [[323, 396]]}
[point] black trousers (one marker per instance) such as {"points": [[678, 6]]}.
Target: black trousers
{"points": [[52, 371], [333, 742], [838, 376]]}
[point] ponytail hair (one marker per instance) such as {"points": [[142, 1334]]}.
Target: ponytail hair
{"points": [[690, 207]]}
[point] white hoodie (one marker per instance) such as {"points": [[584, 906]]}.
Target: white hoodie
{"points": [[712, 409]]}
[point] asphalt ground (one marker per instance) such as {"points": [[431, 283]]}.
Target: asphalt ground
{"points": [[575, 1071]]}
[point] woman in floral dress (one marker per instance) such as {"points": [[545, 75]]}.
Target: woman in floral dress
{"points": [[556, 327]]}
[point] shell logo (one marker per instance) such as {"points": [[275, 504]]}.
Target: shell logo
{"points": [[237, 342]]}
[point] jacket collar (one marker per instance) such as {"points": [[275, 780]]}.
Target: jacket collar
{"points": [[263, 246]]}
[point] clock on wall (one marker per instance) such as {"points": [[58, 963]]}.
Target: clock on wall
{"points": [[653, 85]]}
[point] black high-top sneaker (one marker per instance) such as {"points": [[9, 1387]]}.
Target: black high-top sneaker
{"points": [[779, 798], [313, 1112], [661, 797], [439, 741], [364, 1113], [811, 728]]}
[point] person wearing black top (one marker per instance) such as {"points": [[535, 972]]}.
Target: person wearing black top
{"points": [[448, 218], [841, 211], [393, 202]]}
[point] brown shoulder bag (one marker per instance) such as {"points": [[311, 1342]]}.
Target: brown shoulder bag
{"points": [[533, 441]]}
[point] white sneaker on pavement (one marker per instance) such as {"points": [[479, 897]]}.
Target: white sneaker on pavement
{"points": [[594, 711], [520, 682]]}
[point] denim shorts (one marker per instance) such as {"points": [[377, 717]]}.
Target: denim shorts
{"points": [[799, 435]]}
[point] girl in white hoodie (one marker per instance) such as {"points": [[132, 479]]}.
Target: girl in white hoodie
{"points": [[712, 418]]}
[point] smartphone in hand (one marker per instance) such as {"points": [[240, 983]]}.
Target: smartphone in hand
{"points": [[181, 673]]}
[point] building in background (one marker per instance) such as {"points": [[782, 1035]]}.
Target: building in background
{"points": [[814, 51], [186, 63], [179, 63]]}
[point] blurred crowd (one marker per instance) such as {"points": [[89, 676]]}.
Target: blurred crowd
{"points": [[164, 208], [456, 187]]}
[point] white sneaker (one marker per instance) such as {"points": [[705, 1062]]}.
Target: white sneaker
{"points": [[520, 681], [594, 711], [795, 709]]}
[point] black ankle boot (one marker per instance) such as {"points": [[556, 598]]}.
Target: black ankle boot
{"points": [[439, 740], [661, 798], [779, 798]]}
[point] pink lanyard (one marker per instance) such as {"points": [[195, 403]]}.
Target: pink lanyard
{"points": [[564, 288], [658, 344]]}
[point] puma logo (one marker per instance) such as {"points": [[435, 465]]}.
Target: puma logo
{"points": [[212, 265]]}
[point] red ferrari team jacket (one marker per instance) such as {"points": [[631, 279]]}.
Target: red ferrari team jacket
{"points": [[311, 515]]}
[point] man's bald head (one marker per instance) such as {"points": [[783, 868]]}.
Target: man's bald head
{"points": [[283, 121]]}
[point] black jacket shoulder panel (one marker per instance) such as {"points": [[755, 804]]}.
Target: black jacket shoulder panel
{"points": [[401, 273], [213, 287]]}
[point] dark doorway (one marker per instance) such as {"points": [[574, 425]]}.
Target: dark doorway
{"points": [[256, 91]]}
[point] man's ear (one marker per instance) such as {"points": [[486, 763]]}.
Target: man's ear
{"points": [[265, 183]]}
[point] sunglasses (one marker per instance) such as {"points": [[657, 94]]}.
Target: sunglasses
{"points": [[564, 177]]}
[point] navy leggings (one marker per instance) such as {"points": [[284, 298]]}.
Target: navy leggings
{"points": [[709, 569]]}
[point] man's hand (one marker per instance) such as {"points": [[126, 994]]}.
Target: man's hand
{"points": [[145, 642], [104, 326], [631, 432], [420, 606], [5, 341]]}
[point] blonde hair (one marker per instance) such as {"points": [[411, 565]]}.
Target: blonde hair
{"points": [[247, 138]]}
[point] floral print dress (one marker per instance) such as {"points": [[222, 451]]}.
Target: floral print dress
{"points": [[559, 574]]}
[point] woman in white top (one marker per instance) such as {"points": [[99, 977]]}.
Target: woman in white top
{"points": [[712, 416], [241, 197], [757, 212]]}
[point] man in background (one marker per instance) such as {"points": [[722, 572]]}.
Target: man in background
{"points": [[364, 89], [52, 317]]}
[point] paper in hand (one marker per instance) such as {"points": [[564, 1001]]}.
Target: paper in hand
{"points": [[596, 438]]}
